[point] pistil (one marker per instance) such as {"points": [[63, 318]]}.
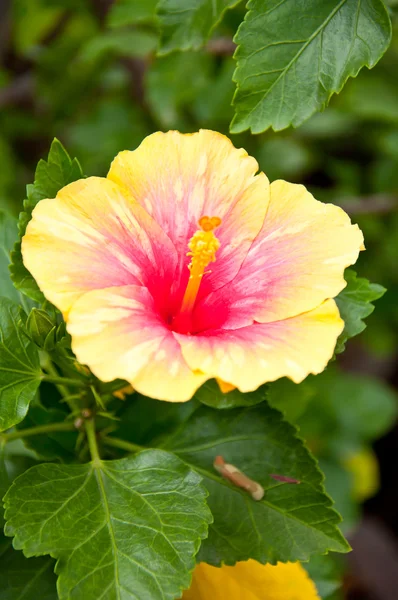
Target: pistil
{"points": [[203, 246]]}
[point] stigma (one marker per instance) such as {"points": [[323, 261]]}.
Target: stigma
{"points": [[203, 246]]}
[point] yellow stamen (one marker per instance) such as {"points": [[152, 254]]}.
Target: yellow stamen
{"points": [[203, 246]]}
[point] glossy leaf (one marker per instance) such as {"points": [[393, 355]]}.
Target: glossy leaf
{"points": [[291, 523], [19, 367], [294, 54], [355, 303], [122, 529], [50, 177], [187, 24]]}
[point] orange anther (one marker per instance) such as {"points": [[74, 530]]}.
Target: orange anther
{"points": [[209, 223]]}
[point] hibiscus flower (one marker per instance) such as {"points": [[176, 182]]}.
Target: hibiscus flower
{"points": [[252, 581], [183, 264]]}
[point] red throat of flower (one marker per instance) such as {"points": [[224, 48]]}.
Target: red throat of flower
{"points": [[203, 246]]}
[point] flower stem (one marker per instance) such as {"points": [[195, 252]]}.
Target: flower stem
{"points": [[49, 428], [63, 381], [54, 373], [92, 441], [122, 444]]}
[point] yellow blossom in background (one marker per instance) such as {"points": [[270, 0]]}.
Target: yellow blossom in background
{"points": [[251, 580], [185, 264], [364, 468]]}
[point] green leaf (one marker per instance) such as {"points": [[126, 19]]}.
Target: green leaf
{"points": [[50, 177], [14, 460], [293, 55], [355, 304], [26, 579], [130, 12], [8, 235], [123, 529], [291, 523], [211, 395], [19, 367], [187, 24]]}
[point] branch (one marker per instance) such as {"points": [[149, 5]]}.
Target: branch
{"points": [[222, 46], [376, 204], [20, 90]]}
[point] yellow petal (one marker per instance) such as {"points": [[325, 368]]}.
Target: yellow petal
{"points": [[251, 581], [93, 235], [296, 262], [253, 355], [119, 335]]}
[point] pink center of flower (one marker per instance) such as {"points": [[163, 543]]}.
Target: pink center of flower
{"points": [[203, 246]]}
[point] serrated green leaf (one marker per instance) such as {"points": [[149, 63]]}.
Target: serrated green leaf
{"points": [[130, 12], [26, 579], [121, 529], [211, 395], [294, 54], [50, 177], [20, 373], [291, 523], [187, 24], [355, 304]]}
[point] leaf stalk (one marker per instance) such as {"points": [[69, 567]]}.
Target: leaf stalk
{"points": [[92, 441], [49, 428], [122, 444]]}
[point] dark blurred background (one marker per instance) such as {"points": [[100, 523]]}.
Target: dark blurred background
{"points": [[87, 72]]}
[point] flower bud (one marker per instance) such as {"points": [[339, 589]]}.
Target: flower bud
{"points": [[41, 329]]}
